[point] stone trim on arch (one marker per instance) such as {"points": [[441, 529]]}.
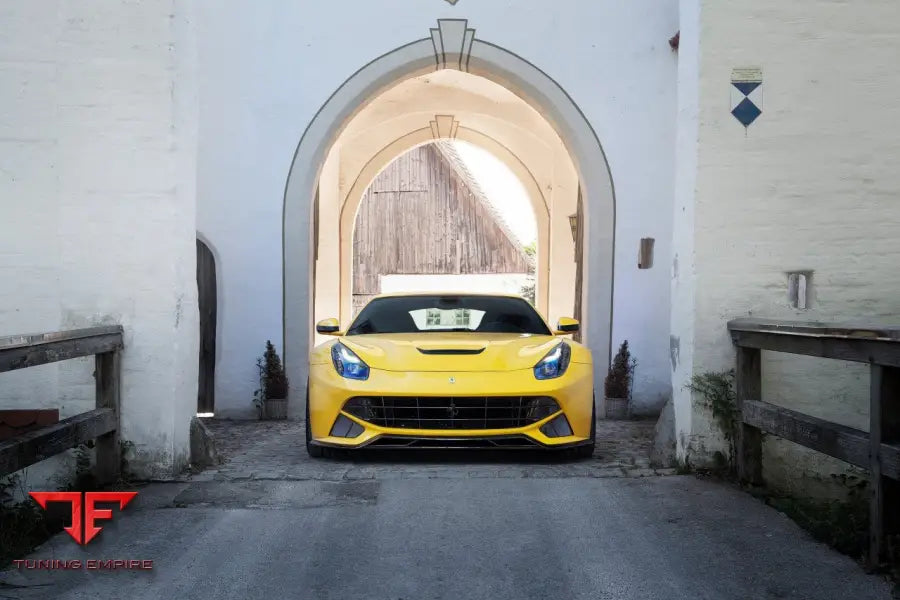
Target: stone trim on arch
{"points": [[501, 66], [444, 126], [452, 42]]}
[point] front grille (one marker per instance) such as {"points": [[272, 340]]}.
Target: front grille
{"points": [[451, 412], [507, 442]]}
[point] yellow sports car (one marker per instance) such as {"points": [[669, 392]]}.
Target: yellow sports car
{"points": [[449, 371]]}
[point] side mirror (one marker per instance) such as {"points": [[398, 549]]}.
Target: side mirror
{"points": [[328, 327], [566, 325]]}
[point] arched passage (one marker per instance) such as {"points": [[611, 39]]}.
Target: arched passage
{"points": [[452, 45], [350, 205], [207, 294]]}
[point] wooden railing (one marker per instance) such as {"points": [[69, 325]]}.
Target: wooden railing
{"points": [[878, 450], [100, 424]]}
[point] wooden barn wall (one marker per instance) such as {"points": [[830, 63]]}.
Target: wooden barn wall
{"points": [[420, 217]]}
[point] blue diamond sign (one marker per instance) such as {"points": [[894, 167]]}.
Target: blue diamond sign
{"points": [[746, 94]]}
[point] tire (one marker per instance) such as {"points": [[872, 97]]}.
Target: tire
{"points": [[587, 451], [311, 449]]}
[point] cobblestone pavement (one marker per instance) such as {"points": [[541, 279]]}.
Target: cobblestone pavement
{"points": [[275, 450]]}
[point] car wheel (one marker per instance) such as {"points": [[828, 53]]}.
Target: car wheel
{"points": [[587, 451], [311, 449]]}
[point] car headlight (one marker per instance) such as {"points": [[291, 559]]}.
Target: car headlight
{"points": [[347, 363], [555, 363]]}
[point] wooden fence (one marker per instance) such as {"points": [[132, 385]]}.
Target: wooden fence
{"points": [[878, 450], [100, 424]]}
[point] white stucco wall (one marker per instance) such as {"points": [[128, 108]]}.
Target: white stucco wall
{"points": [[97, 175], [810, 186], [258, 95], [682, 319]]}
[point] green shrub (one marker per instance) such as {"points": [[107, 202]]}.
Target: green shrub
{"points": [[619, 378], [273, 382]]}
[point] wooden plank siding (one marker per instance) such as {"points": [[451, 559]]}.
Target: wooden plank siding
{"points": [[32, 350], [421, 216], [40, 444]]}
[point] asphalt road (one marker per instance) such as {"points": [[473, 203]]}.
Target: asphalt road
{"points": [[650, 538]]}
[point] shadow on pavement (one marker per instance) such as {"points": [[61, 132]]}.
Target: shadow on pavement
{"points": [[455, 456]]}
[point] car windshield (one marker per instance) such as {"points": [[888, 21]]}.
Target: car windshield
{"points": [[421, 314]]}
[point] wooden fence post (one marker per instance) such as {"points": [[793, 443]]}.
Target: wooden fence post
{"points": [[884, 428], [748, 445], [108, 376]]}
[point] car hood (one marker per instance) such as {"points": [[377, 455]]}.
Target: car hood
{"points": [[452, 351]]}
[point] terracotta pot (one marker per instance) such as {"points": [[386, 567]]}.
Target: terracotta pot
{"points": [[617, 408], [274, 409]]}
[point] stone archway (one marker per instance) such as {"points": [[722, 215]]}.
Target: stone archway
{"points": [[409, 141], [452, 45]]}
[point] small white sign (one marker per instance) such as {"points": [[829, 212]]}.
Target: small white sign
{"points": [[750, 74]]}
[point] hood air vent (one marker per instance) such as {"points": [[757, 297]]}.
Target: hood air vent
{"points": [[450, 350]]}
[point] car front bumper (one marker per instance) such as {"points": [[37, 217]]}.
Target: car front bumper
{"points": [[328, 393]]}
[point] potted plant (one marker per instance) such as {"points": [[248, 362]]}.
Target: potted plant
{"points": [[271, 397], [618, 383]]}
